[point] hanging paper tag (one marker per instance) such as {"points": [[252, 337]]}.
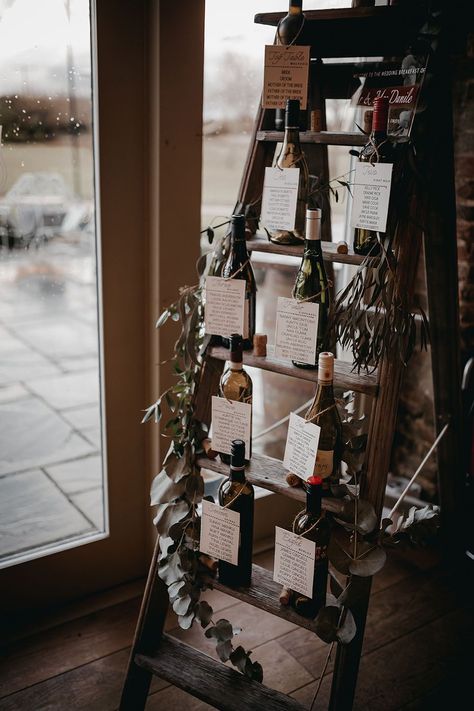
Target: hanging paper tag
{"points": [[280, 195], [225, 304], [230, 420], [285, 75], [220, 532], [294, 562], [296, 330], [372, 185], [301, 446]]}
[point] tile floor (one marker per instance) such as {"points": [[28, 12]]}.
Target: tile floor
{"points": [[50, 450]]}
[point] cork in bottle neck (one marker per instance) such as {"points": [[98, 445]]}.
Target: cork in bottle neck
{"points": [[325, 368], [313, 225]]}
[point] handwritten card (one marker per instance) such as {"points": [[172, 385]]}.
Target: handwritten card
{"points": [[280, 195], [225, 306], [220, 532], [230, 420], [294, 561], [285, 75], [301, 446], [296, 330], [371, 196]]}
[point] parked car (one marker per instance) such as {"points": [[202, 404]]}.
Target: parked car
{"points": [[35, 209]]}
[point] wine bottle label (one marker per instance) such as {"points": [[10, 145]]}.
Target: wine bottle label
{"points": [[320, 553], [324, 463]]}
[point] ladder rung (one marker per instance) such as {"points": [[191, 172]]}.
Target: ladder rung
{"points": [[343, 375], [330, 253], [264, 593], [327, 138], [210, 680], [269, 473]]}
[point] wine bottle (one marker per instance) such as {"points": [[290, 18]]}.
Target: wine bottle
{"points": [[291, 156], [238, 495], [379, 150], [323, 412], [238, 266], [235, 382], [313, 524], [311, 283], [287, 32]]}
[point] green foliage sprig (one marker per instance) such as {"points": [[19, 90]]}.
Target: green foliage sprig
{"points": [[178, 489]]}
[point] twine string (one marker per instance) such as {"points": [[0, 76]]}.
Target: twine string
{"points": [[242, 266], [314, 296]]}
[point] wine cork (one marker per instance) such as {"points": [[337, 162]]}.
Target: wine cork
{"points": [[325, 367], [260, 344], [342, 247], [293, 480], [207, 447], [368, 116], [285, 596], [316, 120]]}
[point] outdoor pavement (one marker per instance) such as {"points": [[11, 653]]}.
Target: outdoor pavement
{"points": [[50, 442]]}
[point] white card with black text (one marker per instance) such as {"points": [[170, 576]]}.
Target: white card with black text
{"points": [[301, 446], [294, 561], [280, 195], [225, 306], [220, 532], [372, 185], [296, 330], [230, 420], [285, 75]]}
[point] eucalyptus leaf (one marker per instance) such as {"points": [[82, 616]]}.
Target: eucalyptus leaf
{"points": [[163, 489], [369, 564], [185, 621], [178, 467], [181, 605], [255, 672], [224, 650], [171, 571], [204, 613], [326, 623], [239, 658], [163, 318], [195, 487], [168, 514], [366, 516], [174, 589], [347, 630]]}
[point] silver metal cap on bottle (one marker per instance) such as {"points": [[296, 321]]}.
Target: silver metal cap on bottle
{"points": [[313, 224]]}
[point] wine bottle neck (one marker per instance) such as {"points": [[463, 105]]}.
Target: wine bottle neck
{"points": [[238, 246], [237, 474], [313, 500], [324, 392], [378, 136], [236, 364], [312, 248], [292, 136]]}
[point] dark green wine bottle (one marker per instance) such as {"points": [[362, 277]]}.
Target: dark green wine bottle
{"points": [[311, 283], [288, 31], [378, 149], [313, 524], [238, 266], [236, 493]]}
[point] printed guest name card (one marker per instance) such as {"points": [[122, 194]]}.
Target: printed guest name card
{"points": [[280, 195], [372, 185], [285, 75], [230, 420], [294, 561], [301, 446], [296, 330], [220, 532], [225, 306]]}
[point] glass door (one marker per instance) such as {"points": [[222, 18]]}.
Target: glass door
{"points": [[55, 501]]}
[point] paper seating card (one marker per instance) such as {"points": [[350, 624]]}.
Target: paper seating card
{"points": [[225, 306], [371, 196], [294, 562], [285, 75], [301, 446], [220, 532], [230, 420], [296, 330], [280, 195]]}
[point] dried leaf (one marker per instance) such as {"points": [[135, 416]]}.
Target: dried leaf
{"points": [[369, 564], [326, 623], [163, 489], [204, 613], [168, 514], [224, 650], [163, 318]]}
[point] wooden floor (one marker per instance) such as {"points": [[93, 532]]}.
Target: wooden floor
{"points": [[418, 651]]}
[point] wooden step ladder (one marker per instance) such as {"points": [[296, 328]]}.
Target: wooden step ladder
{"points": [[375, 31]]}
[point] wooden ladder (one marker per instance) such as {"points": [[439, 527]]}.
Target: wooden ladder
{"points": [[375, 31]]}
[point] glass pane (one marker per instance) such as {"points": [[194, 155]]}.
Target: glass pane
{"points": [[51, 467]]}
